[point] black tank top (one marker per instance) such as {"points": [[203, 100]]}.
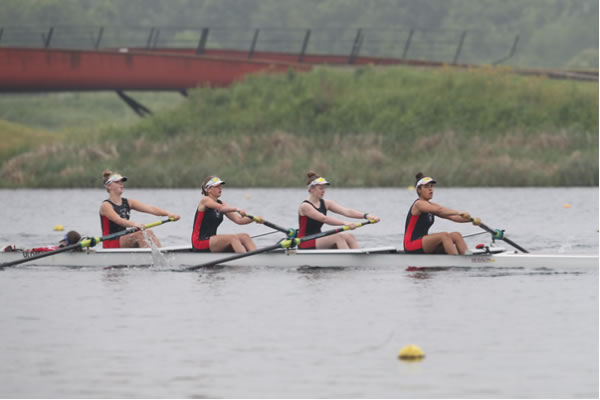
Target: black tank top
{"points": [[206, 223], [417, 226], [309, 226], [123, 211]]}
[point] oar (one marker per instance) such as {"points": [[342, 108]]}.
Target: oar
{"points": [[89, 242], [498, 234], [475, 234], [290, 232], [265, 234], [284, 244]]}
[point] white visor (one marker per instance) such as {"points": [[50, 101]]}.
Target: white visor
{"points": [[318, 181], [424, 181], [115, 178], [213, 182]]}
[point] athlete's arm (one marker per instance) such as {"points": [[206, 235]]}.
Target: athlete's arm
{"points": [[309, 211], [107, 211], [150, 209], [348, 212], [233, 214], [442, 212]]}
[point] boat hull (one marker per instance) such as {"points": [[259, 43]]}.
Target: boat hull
{"points": [[179, 258]]}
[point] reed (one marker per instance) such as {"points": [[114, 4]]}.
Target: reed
{"points": [[359, 127]]}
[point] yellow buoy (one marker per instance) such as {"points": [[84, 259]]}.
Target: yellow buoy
{"points": [[566, 205], [411, 188], [247, 196], [59, 227], [412, 352]]}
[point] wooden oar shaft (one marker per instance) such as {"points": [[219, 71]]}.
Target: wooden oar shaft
{"points": [[89, 242]]}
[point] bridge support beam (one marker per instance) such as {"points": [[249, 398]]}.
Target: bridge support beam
{"points": [[137, 107]]}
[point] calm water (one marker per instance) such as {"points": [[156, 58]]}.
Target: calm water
{"points": [[284, 333]]}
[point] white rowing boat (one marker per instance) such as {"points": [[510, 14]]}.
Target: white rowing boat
{"points": [[181, 257]]}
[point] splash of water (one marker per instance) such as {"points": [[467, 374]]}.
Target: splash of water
{"points": [[566, 246], [159, 260]]}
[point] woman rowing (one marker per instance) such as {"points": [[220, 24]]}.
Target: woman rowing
{"points": [[420, 218], [209, 216], [313, 214], [115, 212]]}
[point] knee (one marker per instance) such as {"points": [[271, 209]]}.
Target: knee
{"points": [[138, 235], [243, 236], [456, 235]]}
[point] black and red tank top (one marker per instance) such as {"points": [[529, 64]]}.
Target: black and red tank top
{"points": [[416, 226], [309, 226], [109, 227], [205, 225]]}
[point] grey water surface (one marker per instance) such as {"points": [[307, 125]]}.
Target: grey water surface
{"points": [[266, 333]]}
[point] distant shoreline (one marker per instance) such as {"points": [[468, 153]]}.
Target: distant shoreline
{"points": [[368, 127]]}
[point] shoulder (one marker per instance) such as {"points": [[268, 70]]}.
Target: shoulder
{"points": [[106, 204], [419, 204], [305, 206], [328, 203]]}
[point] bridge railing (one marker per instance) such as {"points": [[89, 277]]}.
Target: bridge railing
{"points": [[450, 46]]}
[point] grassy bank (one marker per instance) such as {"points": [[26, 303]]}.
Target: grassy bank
{"points": [[360, 127]]}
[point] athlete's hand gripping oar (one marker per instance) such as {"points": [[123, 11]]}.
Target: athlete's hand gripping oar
{"points": [[290, 232], [88, 242], [284, 244], [499, 235]]}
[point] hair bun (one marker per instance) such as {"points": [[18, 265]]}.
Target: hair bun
{"points": [[419, 175], [106, 174]]}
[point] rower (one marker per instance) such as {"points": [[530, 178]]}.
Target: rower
{"points": [[209, 216], [72, 237], [115, 212], [420, 217], [312, 214]]}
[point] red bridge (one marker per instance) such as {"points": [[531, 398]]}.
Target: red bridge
{"points": [[24, 68]]}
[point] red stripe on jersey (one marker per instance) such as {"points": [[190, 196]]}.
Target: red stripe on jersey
{"points": [[412, 245], [196, 242], [109, 244]]}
